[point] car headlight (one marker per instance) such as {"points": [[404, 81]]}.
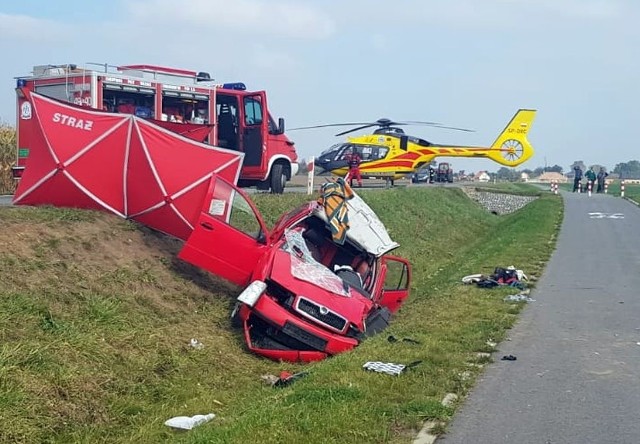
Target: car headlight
{"points": [[252, 293]]}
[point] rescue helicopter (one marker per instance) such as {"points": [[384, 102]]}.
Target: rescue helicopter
{"points": [[389, 153]]}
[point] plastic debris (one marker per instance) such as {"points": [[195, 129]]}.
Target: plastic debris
{"points": [[287, 378], [509, 358], [392, 339], [449, 399], [473, 278], [188, 422], [194, 343], [518, 298], [388, 367], [269, 379]]}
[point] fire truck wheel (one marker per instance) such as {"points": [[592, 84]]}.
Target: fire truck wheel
{"points": [[278, 179]]}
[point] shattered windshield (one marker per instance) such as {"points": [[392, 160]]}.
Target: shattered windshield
{"points": [[306, 268]]}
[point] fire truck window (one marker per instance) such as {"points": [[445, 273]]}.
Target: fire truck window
{"points": [[252, 111], [54, 91], [273, 128], [184, 110], [126, 102]]}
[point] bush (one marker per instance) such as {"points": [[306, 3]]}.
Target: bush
{"points": [[7, 158]]}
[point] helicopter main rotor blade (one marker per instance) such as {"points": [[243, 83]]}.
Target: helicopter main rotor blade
{"points": [[327, 125], [438, 125], [356, 129]]}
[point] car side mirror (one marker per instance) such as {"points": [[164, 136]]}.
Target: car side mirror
{"points": [[262, 238], [281, 125]]}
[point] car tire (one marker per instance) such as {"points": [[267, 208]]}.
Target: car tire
{"points": [[278, 179]]}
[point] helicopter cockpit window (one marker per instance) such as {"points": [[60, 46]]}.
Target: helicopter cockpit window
{"points": [[366, 152], [332, 148], [341, 154], [379, 152]]}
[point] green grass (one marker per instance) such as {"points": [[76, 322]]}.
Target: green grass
{"points": [[96, 316], [520, 189]]}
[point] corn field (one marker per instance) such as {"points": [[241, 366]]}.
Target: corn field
{"points": [[7, 158]]}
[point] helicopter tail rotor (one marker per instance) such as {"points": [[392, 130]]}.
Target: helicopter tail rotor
{"points": [[512, 148]]}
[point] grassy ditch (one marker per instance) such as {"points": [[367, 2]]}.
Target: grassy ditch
{"points": [[96, 315]]}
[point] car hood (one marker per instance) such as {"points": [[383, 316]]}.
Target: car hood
{"points": [[317, 283], [365, 228]]}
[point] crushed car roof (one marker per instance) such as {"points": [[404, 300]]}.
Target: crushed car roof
{"points": [[365, 228]]}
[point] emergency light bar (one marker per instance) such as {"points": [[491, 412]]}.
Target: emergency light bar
{"points": [[239, 86]]}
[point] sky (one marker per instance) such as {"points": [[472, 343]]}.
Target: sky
{"points": [[462, 63]]}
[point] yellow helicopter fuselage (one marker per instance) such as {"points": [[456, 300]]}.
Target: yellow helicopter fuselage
{"points": [[406, 153]]}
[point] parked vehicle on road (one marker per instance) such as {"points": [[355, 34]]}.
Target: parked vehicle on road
{"points": [[444, 173], [425, 174]]}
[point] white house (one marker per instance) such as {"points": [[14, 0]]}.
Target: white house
{"points": [[483, 176]]}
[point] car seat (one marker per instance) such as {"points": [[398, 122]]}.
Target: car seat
{"points": [[226, 128]]}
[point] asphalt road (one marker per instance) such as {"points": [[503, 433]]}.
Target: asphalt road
{"points": [[5, 200], [577, 374]]}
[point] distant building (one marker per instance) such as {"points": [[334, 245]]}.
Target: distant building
{"points": [[482, 176], [552, 176], [524, 177]]}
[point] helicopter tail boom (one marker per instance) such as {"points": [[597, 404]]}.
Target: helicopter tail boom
{"points": [[512, 148]]}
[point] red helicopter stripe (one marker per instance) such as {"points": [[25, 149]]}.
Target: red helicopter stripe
{"points": [[394, 163]]}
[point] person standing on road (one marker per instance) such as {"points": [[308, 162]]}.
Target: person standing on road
{"points": [[602, 174], [353, 161], [577, 177], [591, 178]]}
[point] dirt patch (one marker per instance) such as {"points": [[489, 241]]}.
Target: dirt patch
{"points": [[93, 255]]}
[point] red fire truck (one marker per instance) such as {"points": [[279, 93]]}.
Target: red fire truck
{"points": [[187, 102]]}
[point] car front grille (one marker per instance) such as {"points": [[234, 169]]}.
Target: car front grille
{"points": [[314, 311], [304, 336]]}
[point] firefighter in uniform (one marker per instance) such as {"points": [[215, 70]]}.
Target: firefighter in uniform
{"points": [[353, 160]]}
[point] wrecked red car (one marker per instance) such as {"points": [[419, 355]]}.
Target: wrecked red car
{"points": [[308, 295]]}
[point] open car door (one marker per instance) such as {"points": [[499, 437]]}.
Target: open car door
{"points": [[229, 237], [395, 279]]}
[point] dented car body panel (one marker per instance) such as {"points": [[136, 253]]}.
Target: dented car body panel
{"points": [[306, 296]]}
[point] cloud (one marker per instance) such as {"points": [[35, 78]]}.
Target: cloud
{"points": [[487, 15], [31, 29], [274, 61], [380, 43], [242, 17]]}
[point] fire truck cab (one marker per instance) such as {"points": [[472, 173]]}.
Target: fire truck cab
{"points": [[188, 102]]}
